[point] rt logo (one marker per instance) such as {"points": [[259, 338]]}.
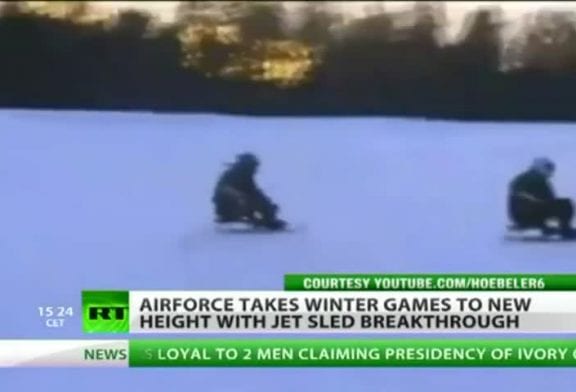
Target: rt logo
{"points": [[106, 319], [105, 312]]}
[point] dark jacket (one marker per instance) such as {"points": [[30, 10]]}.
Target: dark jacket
{"points": [[528, 192], [240, 179]]}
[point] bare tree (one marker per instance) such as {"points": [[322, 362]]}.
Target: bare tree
{"points": [[549, 42]]}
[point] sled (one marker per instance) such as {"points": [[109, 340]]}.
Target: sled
{"points": [[250, 228], [534, 234]]}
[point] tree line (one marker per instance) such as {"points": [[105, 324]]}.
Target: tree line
{"points": [[261, 58]]}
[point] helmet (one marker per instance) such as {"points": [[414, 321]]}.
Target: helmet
{"points": [[543, 165], [247, 159]]}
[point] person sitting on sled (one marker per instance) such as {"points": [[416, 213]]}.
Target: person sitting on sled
{"points": [[532, 202], [237, 198]]}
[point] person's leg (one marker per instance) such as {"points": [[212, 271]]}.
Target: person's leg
{"points": [[225, 210], [265, 214], [530, 215], [563, 211], [260, 212], [540, 216], [230, 207]]}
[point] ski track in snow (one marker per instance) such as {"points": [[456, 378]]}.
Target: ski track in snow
{"points": [[110, 200]]}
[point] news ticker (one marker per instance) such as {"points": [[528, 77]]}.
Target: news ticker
{"points": [[288, 353], [484, 304]]}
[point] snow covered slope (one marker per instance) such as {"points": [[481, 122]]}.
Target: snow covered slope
{"points": [[104, 200]]}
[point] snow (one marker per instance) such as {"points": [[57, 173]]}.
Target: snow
{"points": [[112, 200]]}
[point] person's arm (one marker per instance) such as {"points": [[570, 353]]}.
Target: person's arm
{"points": [[532, 188], [527, 196], [259, 197], [548, 191], [522, 187]]}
